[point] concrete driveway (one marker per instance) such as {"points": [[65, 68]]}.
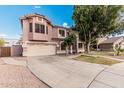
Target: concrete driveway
{"points": [[60, 72]]}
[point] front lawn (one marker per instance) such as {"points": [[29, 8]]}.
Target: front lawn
{"points": [[102, 53], [105, 53], [96, 59]]}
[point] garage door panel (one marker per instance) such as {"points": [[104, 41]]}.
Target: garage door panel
{"points": [[41, 49]]}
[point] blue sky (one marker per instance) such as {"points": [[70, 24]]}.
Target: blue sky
{"points": [[9, 17]]}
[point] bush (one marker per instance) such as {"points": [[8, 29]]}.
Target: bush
{"points": [[2, 42], [118, 50]]}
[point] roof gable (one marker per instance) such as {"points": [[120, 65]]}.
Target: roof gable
{"points": [[111, 40]]}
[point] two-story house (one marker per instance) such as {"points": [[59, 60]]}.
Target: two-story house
{"points": [[41, 37]]}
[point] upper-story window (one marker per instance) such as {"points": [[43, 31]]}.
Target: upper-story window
{"points": [[30, 27], [62, 33], [39, 28], [46, 29], [42, 28]]}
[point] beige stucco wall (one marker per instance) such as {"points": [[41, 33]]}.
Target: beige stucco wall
{"points": [[41, 36], [61, 51], [119, 41], [39, 49], [36, 36], [55, 33], [16, 50], [110, 46], [122, 44], [25, 29], [52, 36]]}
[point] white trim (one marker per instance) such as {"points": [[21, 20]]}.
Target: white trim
{"points": [[60, 36]]}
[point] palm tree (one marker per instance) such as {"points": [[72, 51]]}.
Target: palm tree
{"points": [[68, 41]]}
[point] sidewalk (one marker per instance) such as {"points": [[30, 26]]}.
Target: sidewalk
{"points": [[110, 77], [12, 61]]}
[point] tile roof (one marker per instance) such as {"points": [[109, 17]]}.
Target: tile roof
{"points": [[111, 40], [35, 15]]}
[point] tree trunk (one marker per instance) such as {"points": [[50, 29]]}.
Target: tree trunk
{"points": [[88, 43], [88, 48], [66, 50], [69, 49], [76, 47], [97, 47], [118, 53]]}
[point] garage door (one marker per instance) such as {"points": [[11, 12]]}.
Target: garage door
{"points": [[106, 47], [41, 49]]}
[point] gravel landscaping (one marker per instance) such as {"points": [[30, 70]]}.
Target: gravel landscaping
{"points": [[14, 76]]}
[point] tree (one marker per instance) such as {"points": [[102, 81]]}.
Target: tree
{"points": [[68, 41], [2, 42], [117, 49], [93, 22]]}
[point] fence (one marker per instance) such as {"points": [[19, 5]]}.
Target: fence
{"points": [[15, 50], [5, 51]]}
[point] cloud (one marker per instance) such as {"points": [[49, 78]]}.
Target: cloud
{"points": [[3, 35], [65, 25], [37, 7]]}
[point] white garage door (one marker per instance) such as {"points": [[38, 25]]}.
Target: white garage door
{"points": [[41, 49]]}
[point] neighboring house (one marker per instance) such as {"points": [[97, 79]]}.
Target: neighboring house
{"points": [[41, 37], [10, 42], [12, 47], [110, 43]]}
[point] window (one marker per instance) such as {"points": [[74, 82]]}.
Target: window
{"points": [[39, 28], [62, 32], [80, 45], [46, 29], [30, 27], [62, 46], [42, 28]]}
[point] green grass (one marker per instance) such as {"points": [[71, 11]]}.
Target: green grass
{"points": [[97, 60], [105, 53]]}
